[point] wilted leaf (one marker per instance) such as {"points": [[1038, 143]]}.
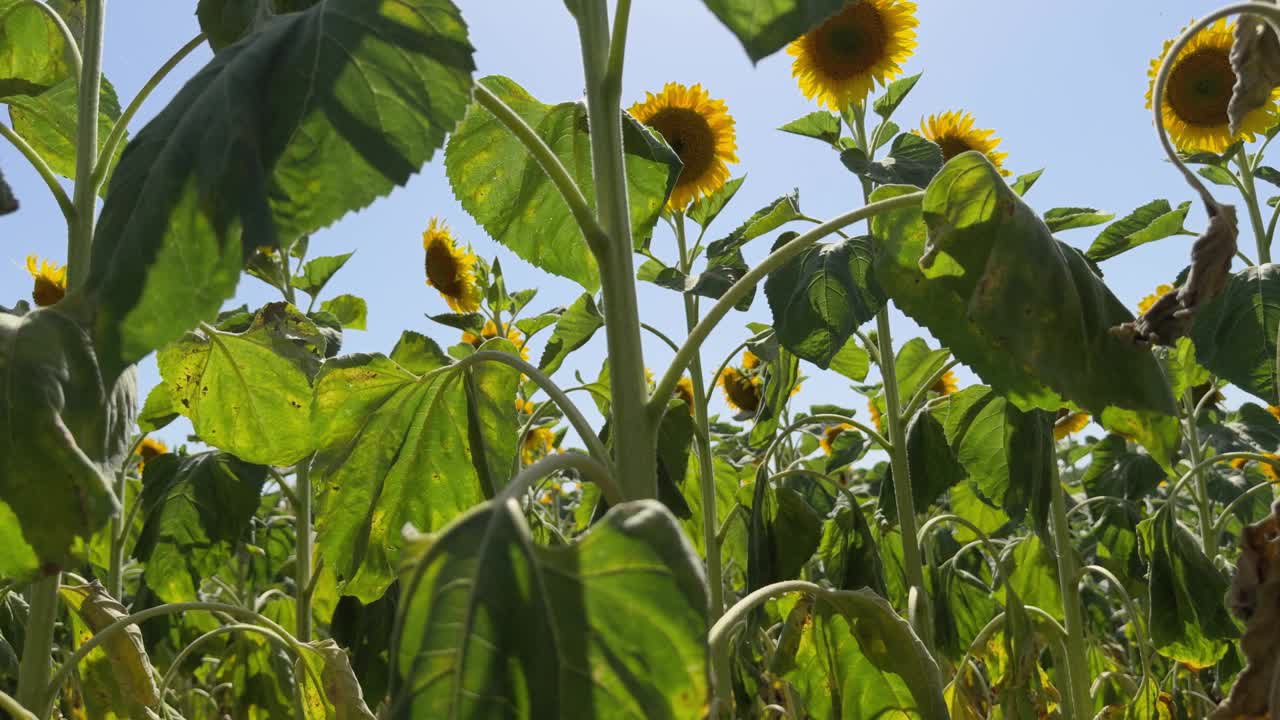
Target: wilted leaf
{"points": [[118, 675], [1255, 60], [329, 688]]}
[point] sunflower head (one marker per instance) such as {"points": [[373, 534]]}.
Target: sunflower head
{"points": [[684, 391], [1069, 423], [148, 449], [1198, 91], [524, 407], [490, 331], [876, 418], [450, 269], [537, 444], [740, 391], [1145, 303], [700, 130], [946, 384], [954, 132], [50, 281], [839, 62], [1269, 469], [829, 436], [750, 361]]}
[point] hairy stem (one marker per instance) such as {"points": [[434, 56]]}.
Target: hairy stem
{"points": [[1204, 505], [1077, 660], [33, 674], [43, 170], [1250, 193], [85, 196]]}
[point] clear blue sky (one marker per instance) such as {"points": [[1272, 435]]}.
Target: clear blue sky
{"points": [[1062, 84]]}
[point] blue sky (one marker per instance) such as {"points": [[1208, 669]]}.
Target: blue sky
{"points": [[1062, 84]]}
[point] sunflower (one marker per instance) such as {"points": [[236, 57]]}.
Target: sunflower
{"points": [[450, 269], [1269, 470], [953, 131], [1198, 91], [741, 392], [700, 130], [876, 417], [839, 62], [830, 434], [1069, 423], [684, 391], [1274, 410], [537, 444], [524, 407], [490, 331], [50, 281], [946, 384], [148, 449], [750, 361], [1145, 303]]}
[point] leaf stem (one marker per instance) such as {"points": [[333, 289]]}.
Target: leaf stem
{"points": [[42, 168], [1250, 193], [1077, 660], [85, 195], [1204, 505], [33, 673], [11, 706], [304, 555], [739, 289], [591, 469], [72, 46]]}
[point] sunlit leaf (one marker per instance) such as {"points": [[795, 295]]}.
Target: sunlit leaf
{"points": [[48, 123], [765, 27], [33, 53], [1154, 221], [819, 125], [1235, 333], [577, 325]]}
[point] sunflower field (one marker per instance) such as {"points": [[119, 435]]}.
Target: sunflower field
{"points": [[1042, 506]]}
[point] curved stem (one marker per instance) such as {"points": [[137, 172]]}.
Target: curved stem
{"points": [[715, 379], [591, 469], [938, 520], [1173, 491], [11, 706], [201, 640], [42, 168], [1221, 522], [1123, 502], [547, 385], [1135, 617], [118, 131], [739, 289], [923, 391], [814, 420], [661, 336], [85, 194]]}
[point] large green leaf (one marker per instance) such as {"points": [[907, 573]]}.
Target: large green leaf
{"points": [[249, 393], [319, 114], [196, 511], [62, 436], [505, 190], [858, 659], [33, 53], [912, 160], [48, 123], [491, 418], [1117, 472], [1022, 309], [850, 558], [931, 463], [226, 21], [821, 296], [785, 531], [1188, 621], [574, 328], [1033, 575], [395, 448], [1235, 334], [765, 26], [612, 626]]}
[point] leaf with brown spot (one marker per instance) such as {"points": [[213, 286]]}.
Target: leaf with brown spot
{"points": [[1255, 60]]}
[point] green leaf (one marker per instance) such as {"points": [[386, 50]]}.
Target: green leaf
{"points": [[1022, 309], [852, 361], [1235, 333], [350, 310], [859, 659], [1069, 218], [1217, 175], [1154, 221], [33, 53], [320, 114], [1268, 174], [1034, 575], [491, 418], [1184, 372], [63, 434], [117, 676], [467, 322], [848, 447], [159, 410], [850, 558], [1114, 471], [821, 296], [767, 219], [196, 510], [418, 353], [886, 104], [784, 533], [764, 27], [1023, 183], [1189, 622], [819, 125], [317, 273], [706, 209], [576, 326], [932, 464], [48, 123], [491, 622], [912, 160], [392, 448], [500, 184], [248, 393]]}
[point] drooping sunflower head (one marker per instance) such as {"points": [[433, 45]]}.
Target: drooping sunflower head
{"points": [[490, 331], [839, 62], [450, 268], [946, 384], [829, 436], [1145, 303], [954, 132], [750, 361], [700, 130], [537, 444], [148, 449], [1198, 91], [684, 391], [740, 391], [876, 418], [50, 281], [1069, 423], [524, 407]]}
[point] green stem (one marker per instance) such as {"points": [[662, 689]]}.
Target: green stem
{"points": [[119, 535], [921, 621], [739, 289], [591, 470], [11, 706], [1077, 660], [73, 47], [303, 561], [112, 143], [33, 674], [42, 168], [85, 196], [1204, 505], [635, 432], [1255, 213], [706, 468]]}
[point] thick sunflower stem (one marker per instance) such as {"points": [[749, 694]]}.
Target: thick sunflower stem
{"points": [[634, 436], [920, 616], [1068, 584], [1260, 237], [1204, 504], [303, 561], [85, 195], [37, 656]]}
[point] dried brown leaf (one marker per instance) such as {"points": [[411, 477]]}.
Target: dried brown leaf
{"points": [[1255, 598], [8, 203], [1255, 58], [125, 650]]}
